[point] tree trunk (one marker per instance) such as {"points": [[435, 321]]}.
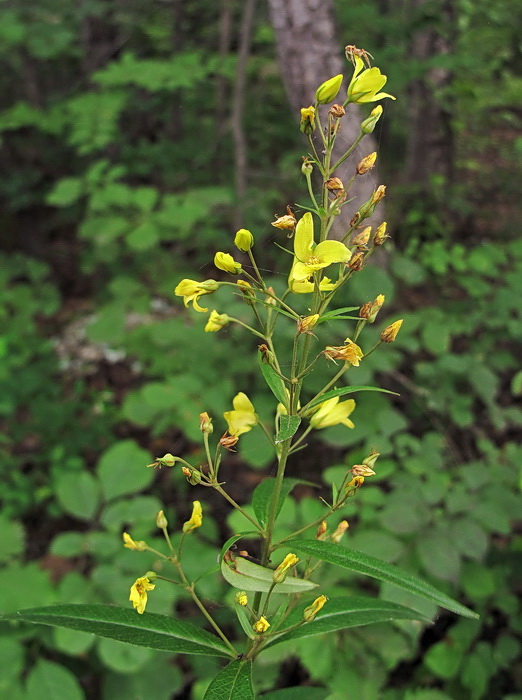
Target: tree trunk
{"points": [[309, 53]]}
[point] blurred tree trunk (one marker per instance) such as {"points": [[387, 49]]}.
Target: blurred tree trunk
{"points": [[430, 148], [309, 53]]}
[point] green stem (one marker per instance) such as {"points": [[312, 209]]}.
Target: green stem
{"points": [[233, 503]]}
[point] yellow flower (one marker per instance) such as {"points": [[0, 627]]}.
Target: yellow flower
{"points": [[368, 125], [307, 124], [331, 412], [325, 285], [225, 262], [191, 291], [216, 322], [327, 92], [311, 611], [241, 598], [138, 593], [261, 625], [282, 570], [306, 323], [128, 542], [196, 519], [349, 352], [243, 417], [309, 257], [339, 531], [365, 86], [244, 240], [390, 332]]}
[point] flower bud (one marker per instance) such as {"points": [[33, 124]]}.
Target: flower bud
{"points": [[380, 235], [379, 194], [282, 570], [371, 459], [307, 124], [306, 323], [321, 531], [192, 476], [228, 441], [306, 168], [269, 299], [390, 332], [339, 531], [161, 520], [196, 519], [225, 262], [247, 291], [374, 308], [216, 322], [267, 356], [327, 92], [362, 238], [205, 423], [244, 240], [356, 261], [362, 470], [241, 598], [368, 125], [364, 311], [366, 164], [167, 460], [311, 611], [151, 575], [138, 546]]}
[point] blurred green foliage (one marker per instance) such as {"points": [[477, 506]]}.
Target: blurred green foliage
{"points": [[117, 184]]}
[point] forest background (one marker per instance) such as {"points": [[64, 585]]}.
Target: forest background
{"points": [[136, 137]]}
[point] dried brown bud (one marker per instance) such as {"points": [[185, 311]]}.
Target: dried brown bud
{"points": [[339, 531], [355, 219], [228, 442], [334, 184], [366, 164], [362, 470], [362, 238], [321, 531], [390, 332], [379, 194], [337, 111], [270, 299], [205, 423], [364, 311], [380, 235], [356, 261]]}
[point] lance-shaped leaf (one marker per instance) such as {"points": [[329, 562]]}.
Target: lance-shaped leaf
{"points": [[247, 576], [341, 613], [234, 682], [273, 380], [262, 496], [148, 630], [376, 568], [347, 390]]}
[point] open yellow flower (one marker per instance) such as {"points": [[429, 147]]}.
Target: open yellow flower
{"points": [[309, 257], [138, 546], [349, 352], [196, 519], [138, 593], [365, 86], [243, 417], [191, 290], [306, 287], [331, 412]]}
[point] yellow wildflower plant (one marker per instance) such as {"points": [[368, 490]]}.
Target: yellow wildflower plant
{"points": [[196, 519], [191, 291], [216, 322], [139, 593], [309, 257], [243, 418], [332, 412], [364, 86]]}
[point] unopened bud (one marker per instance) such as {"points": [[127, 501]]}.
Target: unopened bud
{"points": [[371, 459], [167, 460], [247, 291], [380, 235], [241, 598], [269, 299], [362, 238], [334, 184], [375, 307], [356, 261], [192, 476], [327, 92], [216, 322], [368, 125], [321, 531], [261, 625], [225, 262], [151, 575], [137, 545], [390, 332], [339, 531], [307, 124], [364, 311], [161, 520], [353, 485], [244, 240], [337, 111], [311, 611], [205, 423], [355, 219], [366, 163], [306, 323], [307, 166], [282, 570], [379, 194], [267, 356]]}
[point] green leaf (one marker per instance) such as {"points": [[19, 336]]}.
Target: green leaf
{"points": [[248, 576], [122, 469], [370, 566], [347, 390], [51, 681], [341, 613], [233, 539], [273, 380], [287, 427], [262, 496], [234, 682], [298, 693], [78, 493], [336, 312], [147, 630]]}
